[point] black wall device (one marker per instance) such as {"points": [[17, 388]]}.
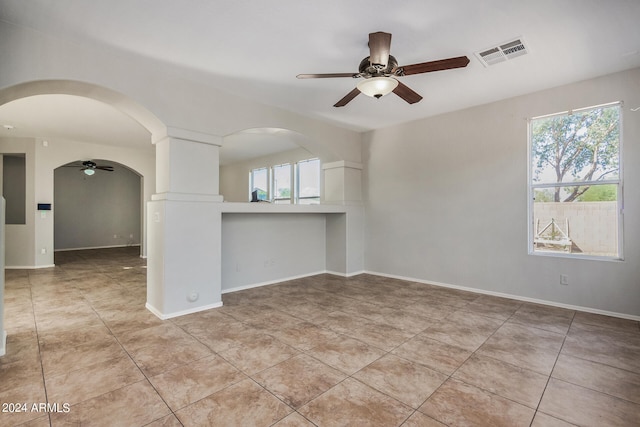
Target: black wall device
{"points": [[44, 206]]}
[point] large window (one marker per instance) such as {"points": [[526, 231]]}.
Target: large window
{"points": [[286, 183], [282, 183], [575, 183], [308, 182], [259, 182]]}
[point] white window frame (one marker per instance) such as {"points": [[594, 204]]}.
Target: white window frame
{"points": [[251, 181], [618, 182], [274, 197], [297, 177], [294, 181]]}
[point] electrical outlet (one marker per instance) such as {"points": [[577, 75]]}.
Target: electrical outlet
{"points": [[564, 279], [43, 251]]}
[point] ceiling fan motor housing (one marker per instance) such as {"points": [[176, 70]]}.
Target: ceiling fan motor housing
{"points": [[367, 69]]}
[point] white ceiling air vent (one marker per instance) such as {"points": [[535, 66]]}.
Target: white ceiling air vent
{"points": [[501, 53]]}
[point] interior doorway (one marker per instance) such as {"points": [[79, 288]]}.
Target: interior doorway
{"points": [[97, 206]]}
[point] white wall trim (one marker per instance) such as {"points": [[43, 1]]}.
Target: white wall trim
{"points": [[395, 276], [97, 247], [510, 296], [181, 313], [28, 267], [342, 164], [335, 273], [191, 135], [271, 282], [187, 197]]}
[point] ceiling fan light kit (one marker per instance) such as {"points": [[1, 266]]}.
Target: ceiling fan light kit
{"points": [[89, 167], [377, 87], [379, 69]]}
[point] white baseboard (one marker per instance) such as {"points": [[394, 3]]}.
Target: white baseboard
{"points": [[181, 313], [270, 282], [96, 247], [515, 297], [28, 267], [336, 273]]}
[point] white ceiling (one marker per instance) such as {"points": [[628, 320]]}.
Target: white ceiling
{"points": [[259, 142], [255, 48], [71, 117]]}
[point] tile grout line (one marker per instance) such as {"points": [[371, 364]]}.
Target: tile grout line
{"points": [[246, 376], [386, 353], [450, 376], [519, 367], [90, 304], [552, 368], [594, 362], [350, 376], [35, 324]]}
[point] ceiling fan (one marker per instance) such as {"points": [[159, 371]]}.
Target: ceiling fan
{"points": [[380, 70], [89, 167]]}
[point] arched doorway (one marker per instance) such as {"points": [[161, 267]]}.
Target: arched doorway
{"points": [[65, 138], [34, 240], [97, 207]]}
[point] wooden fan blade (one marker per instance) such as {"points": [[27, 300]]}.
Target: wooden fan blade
{"points": [[379, 48], [406, 93], [427, 67], [326, 76], [105, 168], [344, 101]]}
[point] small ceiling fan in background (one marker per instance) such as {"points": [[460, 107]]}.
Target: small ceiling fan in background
{"points": [[380, 70], [89, 167]]}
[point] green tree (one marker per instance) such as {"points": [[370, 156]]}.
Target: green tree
{"points": [[600, 193], [284, 193], [583, 146], [543, 195]]}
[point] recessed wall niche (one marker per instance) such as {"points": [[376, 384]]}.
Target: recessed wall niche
{"points": [[14, 187]]}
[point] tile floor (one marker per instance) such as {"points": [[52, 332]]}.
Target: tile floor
{"points": [[324, 350]]}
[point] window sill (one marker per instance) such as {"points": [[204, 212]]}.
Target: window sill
{"points": [[577, 256]]}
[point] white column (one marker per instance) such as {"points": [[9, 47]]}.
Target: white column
{"points": [[184, 226], [345, 232], [342, 182]]}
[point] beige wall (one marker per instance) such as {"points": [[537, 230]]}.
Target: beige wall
{"points": [[25, 243], [20, 239], [446, 201], [102, 210]]}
